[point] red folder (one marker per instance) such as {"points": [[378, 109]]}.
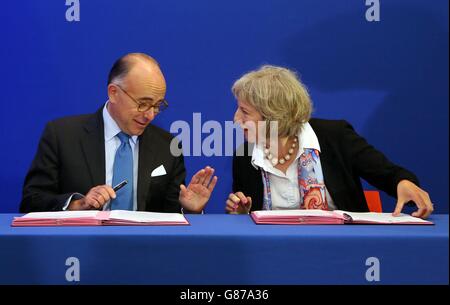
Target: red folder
{"points": [[337, 217], [99, 218]]}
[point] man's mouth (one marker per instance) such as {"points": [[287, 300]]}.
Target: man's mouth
{"points": [[141, 124]]}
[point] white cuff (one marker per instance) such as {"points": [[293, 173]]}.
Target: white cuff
{"points": [[69, 200]]}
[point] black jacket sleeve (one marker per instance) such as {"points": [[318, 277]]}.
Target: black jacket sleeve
{"points": [[41, 185], [371, 165]]}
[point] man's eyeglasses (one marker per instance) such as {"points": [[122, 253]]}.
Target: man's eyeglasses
{"points": [[143, 106]]}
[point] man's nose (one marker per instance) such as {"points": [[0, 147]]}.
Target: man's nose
{"points": [[149, 114]]}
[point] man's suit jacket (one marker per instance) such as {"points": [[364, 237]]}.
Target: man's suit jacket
{"points": [[345, 157], [71, 158]]}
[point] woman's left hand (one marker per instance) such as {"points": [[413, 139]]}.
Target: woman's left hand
{"points": [[408, 191]]}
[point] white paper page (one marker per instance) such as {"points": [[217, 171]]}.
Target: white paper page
{"points": [[139, 216], [320, 213], [381, 217], [61, 214]]}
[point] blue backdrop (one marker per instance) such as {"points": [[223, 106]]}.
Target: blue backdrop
{"points": [[388, 78]]}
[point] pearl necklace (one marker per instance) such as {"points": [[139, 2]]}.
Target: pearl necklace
{"points": [[274, 160]]}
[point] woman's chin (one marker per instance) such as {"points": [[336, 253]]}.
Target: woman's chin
{"points": [[250, 138]]}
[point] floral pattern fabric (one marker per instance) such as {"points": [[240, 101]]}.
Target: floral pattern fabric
{"points": [[310, 181]]}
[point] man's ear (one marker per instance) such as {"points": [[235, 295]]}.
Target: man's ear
{"points": [[112, 93]]}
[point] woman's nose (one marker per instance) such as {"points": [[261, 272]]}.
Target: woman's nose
{"points": [[237, 117]]}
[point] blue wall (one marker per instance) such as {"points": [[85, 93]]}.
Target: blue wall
{"points": [[388, 78]]}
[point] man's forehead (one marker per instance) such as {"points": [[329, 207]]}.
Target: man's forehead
{"points": [[149, 83]]}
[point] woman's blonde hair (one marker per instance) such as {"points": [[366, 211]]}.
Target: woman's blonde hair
{"points": [[279, 95]]}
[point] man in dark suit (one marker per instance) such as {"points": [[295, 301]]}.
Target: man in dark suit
{"points": [[78, 157]]}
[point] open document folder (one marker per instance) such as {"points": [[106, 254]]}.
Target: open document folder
{"points": [[303, 217], [99, 218]]}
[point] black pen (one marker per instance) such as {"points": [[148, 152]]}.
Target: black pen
{"points": [[116, 188], [120, 185]]}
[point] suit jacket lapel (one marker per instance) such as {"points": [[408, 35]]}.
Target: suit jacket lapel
{"points": [[93, 146], [147, 162], [327, 161]]}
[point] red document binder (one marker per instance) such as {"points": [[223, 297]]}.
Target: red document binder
{"points": [[337, 217]]}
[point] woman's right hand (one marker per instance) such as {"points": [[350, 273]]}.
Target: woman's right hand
{"points": [[238, 203]]}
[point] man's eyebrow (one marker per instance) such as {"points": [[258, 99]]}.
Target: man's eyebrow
{"points": [[146, 98]]}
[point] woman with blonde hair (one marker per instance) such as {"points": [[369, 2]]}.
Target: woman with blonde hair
{"points": [[292, 161]]}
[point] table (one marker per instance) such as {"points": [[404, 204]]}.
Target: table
{"points": [[227, 250]]}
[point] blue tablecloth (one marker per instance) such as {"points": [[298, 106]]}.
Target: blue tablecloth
{"points": [[225, 249]]}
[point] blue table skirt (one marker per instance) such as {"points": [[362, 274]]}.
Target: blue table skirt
{"points": [[225, 249]]}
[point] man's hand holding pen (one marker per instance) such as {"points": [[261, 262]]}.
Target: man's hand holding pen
{"points": [[95, 199]]}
